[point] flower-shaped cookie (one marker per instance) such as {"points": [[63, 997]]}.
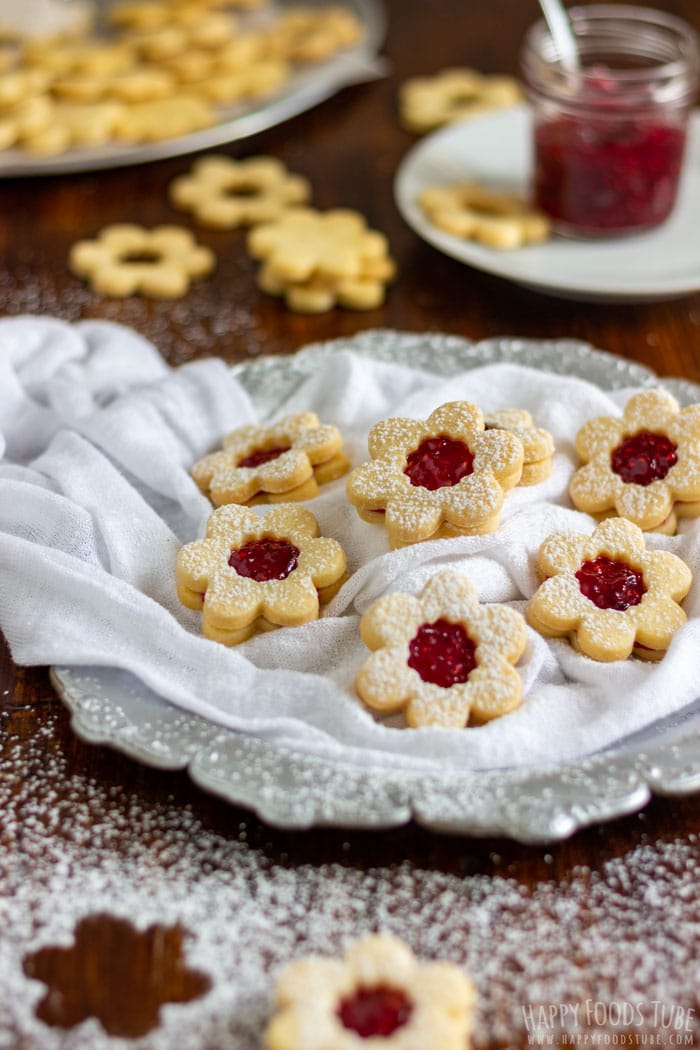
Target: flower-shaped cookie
{"points": [[224, 193], [538, 444], [451, 95], [377, 995], [313, 34], [497, 220], [287, 460], [126, 259], [444, 476], [644, 466], [608, 593], [305, 243], [442, 658], [253, 573]]}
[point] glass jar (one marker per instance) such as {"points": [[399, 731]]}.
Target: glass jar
{"points": [[609, 136]]}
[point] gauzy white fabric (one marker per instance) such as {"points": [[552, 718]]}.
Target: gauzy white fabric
{"points": [[96, 498]]}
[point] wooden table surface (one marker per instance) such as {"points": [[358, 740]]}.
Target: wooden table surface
{"points": [[603, 913]]}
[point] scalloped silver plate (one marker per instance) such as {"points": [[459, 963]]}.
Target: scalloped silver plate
{"points": [[290, 790], [303, 91]]}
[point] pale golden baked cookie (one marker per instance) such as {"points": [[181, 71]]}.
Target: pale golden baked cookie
{"points": [[126, 259], [365, 291], [442, 658], [24, 119], [224, 193], [89, 57], [378, 994], [73, 125], [312, 34], [474, 212], [644, 466], [288, 459], [538, 444], [316, 259], [608, 593], [164, 118], [253, 81], [451, 95], [19, 85], [448, 472], [256, 572]]}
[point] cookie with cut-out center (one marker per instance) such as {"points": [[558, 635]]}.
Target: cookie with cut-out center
{"points": [[442, 658], [444, 473], [377, 995], [287, 460], [126, 259], [644, 466], [608, 594], [451, 95], [475, 212], [253, 572], [224, 193]]}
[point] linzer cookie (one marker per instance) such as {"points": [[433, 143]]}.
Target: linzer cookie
{"points": [[441, 658], [255, 573], [538, 444], [286, 461], [645, 466], [608, 593], [378, 993], [444, 476]]}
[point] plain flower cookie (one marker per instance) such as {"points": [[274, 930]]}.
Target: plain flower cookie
{"points": [[474, 212], [127, 259], [608, 593], [442, 658], [444, 476], [254, 573], [538, 443], [223, 193], [451, 95], [644, 466], [317, 259], [378, 994], [286, 461]]}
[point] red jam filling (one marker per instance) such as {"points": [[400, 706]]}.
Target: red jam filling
{"points": [[439, 462], [611, 584], [265, 559], [442, 653], [607, 170], [262, 455], [643, 458], [375, 1011]]}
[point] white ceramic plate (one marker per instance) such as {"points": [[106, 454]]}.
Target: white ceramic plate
{"points": [[293, 790], [305, 89], [495, 149]]}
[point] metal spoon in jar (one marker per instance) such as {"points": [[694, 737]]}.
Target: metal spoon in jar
{"points": [[562, 34]]}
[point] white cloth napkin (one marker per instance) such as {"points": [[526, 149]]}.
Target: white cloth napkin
{"points": [[96, 498]]}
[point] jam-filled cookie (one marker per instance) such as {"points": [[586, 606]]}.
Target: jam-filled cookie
{"points": [[645, 466], [442, 658], [379, 993], [444, 476], [254, 573], [538, 444], [608, 593], [286, 461]]}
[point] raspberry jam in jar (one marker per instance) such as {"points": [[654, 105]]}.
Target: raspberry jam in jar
{"points": [[609, 136]]}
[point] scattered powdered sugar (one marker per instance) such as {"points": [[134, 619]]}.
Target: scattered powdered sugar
{"points": [[627, 930]]}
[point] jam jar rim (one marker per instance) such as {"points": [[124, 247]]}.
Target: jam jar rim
{"points": [[679, 76]]}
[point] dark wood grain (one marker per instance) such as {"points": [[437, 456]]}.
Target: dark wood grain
{"points": [[349, 147]]}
